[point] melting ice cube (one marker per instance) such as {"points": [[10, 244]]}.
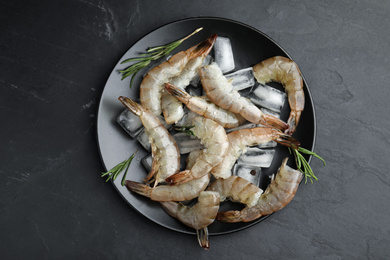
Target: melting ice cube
{"points": [[223, 54], [257, 157], [187, 143], [130, 123], [268, 97], [143, 139], [248, 172], [242, 79], [147, 162]]}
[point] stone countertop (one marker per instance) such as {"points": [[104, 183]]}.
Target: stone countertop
{"points": [[55, 59]]}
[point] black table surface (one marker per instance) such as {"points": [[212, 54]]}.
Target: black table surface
{"points": [[55, 59]]}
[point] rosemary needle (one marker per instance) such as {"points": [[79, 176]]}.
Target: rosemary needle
{"points": [[152, 54], [185, 129], [116, 170], [302, 163]]}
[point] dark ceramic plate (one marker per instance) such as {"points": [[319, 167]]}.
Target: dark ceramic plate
{"points": [[250, 46]]}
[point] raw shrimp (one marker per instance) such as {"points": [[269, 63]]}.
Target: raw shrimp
{"points": [[199, 216], [278, 194], [237, 189], [165, 153], [153, 82], [185, 191], [221, 92], [172, 108], [285, 71], [213, 136], [239, 140], [206, 108]]}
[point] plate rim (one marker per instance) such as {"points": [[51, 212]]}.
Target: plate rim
{"points": [[249, 224]]}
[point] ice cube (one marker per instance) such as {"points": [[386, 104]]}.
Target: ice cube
{"points": [[195, 81], [143, 139], [223, 54], [257, 157], [243, 126], [188, 118], [268, 97], [147, 162], [248, 172], [270, 112], [187, 143], [269, 144], [194, 91], [130, 123], [242, 79]]}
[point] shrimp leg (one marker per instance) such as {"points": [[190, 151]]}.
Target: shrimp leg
{"points": [[278, 194], [285, 71], [221, 92]]}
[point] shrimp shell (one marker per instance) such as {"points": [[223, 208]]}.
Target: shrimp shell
{"points": [[278, 194], [239, 140], [237, 189], [199, 216], [153, 83], [182, 192], [221, 92], [165, 153], [214, 139], [206, 108], [285, 71]]}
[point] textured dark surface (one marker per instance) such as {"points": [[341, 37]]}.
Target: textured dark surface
{"points": [[55, 57]]}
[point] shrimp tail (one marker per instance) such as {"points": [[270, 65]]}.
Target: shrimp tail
{"points": [[231, 216], [293, 122], [274, 122], [204, 47], [288, 141], [203, 238], [177, 92], [180, 177], [139, 188], [131, 105]]}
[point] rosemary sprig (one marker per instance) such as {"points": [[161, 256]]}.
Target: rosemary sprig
{"points": [[116, 170], [152, 54], [303, 165], [185, 129]]}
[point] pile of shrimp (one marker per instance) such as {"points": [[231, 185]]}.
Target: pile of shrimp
{"points": [[207, 180]]}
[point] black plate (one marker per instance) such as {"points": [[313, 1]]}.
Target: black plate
{"points": [[250, 47]]}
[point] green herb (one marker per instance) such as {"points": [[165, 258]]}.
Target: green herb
{"points": [[116, 170], [185, 129], [303, 165], [152, 54]]}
